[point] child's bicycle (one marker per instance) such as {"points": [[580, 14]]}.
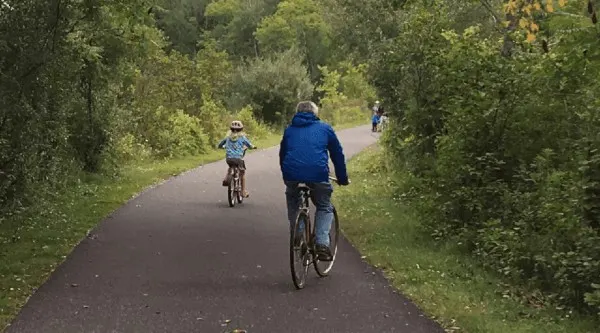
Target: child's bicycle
{"points": [[234, 189]]}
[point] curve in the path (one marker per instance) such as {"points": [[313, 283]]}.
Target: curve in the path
{"points": [[178, 259]]}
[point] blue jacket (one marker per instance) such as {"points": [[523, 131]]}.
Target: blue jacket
{"points": [[376, 118], [303, 152]]}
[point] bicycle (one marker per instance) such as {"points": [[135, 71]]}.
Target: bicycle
{"points": [[234, 189], [303, 251]]}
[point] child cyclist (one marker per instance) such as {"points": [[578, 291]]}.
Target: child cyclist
{"points": [[234, 145]]}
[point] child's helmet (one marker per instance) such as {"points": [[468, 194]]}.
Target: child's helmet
{"points": [[236, 125]]}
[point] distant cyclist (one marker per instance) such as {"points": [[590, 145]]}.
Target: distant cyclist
{"points": [[376, 108], [234, 144], [303, 158], [375, 119]]}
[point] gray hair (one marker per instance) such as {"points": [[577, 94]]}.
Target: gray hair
{"points": [[308, 106]]}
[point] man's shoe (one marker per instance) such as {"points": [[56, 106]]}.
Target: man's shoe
{"points": [[323, 252]]}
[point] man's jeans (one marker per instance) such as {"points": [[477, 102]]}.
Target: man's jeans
{"points": [[321, 198]]}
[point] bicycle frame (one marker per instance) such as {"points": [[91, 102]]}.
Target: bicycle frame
{"points": [[307, 252], [305, 196], [305, 207]]}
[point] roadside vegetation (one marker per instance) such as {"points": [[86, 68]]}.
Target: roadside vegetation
{"points": [[441, 277], [495, 131]]}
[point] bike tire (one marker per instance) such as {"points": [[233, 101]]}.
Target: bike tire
{"points": [[239, 194], [324, 267], [299, 253], [231, 192]]}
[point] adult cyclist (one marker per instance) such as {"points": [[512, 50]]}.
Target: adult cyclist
{"points": [[303, 158]]}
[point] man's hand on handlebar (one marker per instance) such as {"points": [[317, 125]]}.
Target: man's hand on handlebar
{"points": [[338, 182]]}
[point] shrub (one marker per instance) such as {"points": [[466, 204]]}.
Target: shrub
{"points": [[128, 149], [272, 86], [252, 126], [339, 108]]}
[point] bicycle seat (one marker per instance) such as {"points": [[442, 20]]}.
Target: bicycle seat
{"points": [[303, 186]]}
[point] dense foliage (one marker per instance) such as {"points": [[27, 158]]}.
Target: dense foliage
{"points": [[497, 126], [87, 86]]}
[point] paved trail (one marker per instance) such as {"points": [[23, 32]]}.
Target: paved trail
{"points": [[178, 259]]}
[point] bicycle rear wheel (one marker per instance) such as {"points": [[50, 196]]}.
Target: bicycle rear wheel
{"points": [[324, 267], [299, 253], [231, 191]]}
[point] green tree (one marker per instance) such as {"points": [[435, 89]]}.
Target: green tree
{"points": [[234, 24], [272, 86], [299, 24]]}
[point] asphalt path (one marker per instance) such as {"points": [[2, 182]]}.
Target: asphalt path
{"points": [[177, 259]]}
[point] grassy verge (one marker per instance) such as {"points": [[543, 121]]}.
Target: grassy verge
{"points": [[446, 283], [35, 242]]}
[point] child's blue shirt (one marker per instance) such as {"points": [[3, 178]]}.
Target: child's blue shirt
{"points": [[234, 145]]}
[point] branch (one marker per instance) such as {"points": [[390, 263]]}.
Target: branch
{"points": [[490, 9], [495, 16], [52, 33]]}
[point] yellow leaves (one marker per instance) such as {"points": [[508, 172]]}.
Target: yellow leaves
{"points": [[534, 27], [526, 10], [511, 7], [530, 7], [523, 23]]}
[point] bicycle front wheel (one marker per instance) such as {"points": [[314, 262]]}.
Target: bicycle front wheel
{"points": [[324, 267], [239, 194], [299, 253]]}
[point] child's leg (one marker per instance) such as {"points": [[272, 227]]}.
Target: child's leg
{"points": [[242, 168], [243, 176], [226, 179]]}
